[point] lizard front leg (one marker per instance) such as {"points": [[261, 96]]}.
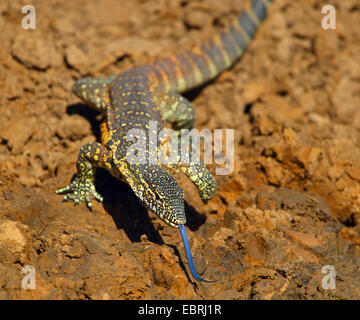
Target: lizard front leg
{"points": [[176, 109], [198, 174], [82, 188], [179, 112]]}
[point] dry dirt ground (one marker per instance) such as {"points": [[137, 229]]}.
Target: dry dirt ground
{"points": [[290, 207]]}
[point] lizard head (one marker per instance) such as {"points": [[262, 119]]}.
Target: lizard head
{"points": [[158, 191]]}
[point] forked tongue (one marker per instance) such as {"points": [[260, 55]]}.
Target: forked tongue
{"points": [[188, 255]]}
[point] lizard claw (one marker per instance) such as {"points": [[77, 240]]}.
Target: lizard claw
{"points": [[80, 191]]}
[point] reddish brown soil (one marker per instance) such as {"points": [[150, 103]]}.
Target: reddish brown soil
{"points": [[290, 207]]}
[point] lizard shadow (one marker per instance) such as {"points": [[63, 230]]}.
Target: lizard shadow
{"points": [[131, 216], [127, 211], [120, 201]]}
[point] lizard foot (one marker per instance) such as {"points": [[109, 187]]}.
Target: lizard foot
{"points": [[80, 190]]}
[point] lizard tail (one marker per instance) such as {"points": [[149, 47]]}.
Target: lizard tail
{"points": [[188, 255], [194, 67]]}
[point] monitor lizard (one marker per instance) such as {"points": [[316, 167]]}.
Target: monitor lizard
{"points": [[152, 92]]}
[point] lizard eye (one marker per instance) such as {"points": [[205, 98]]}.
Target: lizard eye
{"points": [[157, 196]]}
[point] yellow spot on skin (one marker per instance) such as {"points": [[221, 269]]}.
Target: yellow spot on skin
{"points": [[253, 16], [197, 50], [239, 28], [219, 43]]}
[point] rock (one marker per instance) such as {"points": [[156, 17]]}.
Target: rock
{"points": [[76, 58], [197, 18], [290, 207], [17, 132], [12, 241], [35, 52], [73, 128]]}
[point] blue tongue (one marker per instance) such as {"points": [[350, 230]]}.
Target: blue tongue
{"points": [[188, 255]]}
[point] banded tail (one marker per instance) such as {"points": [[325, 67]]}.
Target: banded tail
{"points": [[194, 67]]}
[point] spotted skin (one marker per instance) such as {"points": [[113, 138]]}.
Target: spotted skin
{"points": [[152, 93], [82, 188], [175, 109]]}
